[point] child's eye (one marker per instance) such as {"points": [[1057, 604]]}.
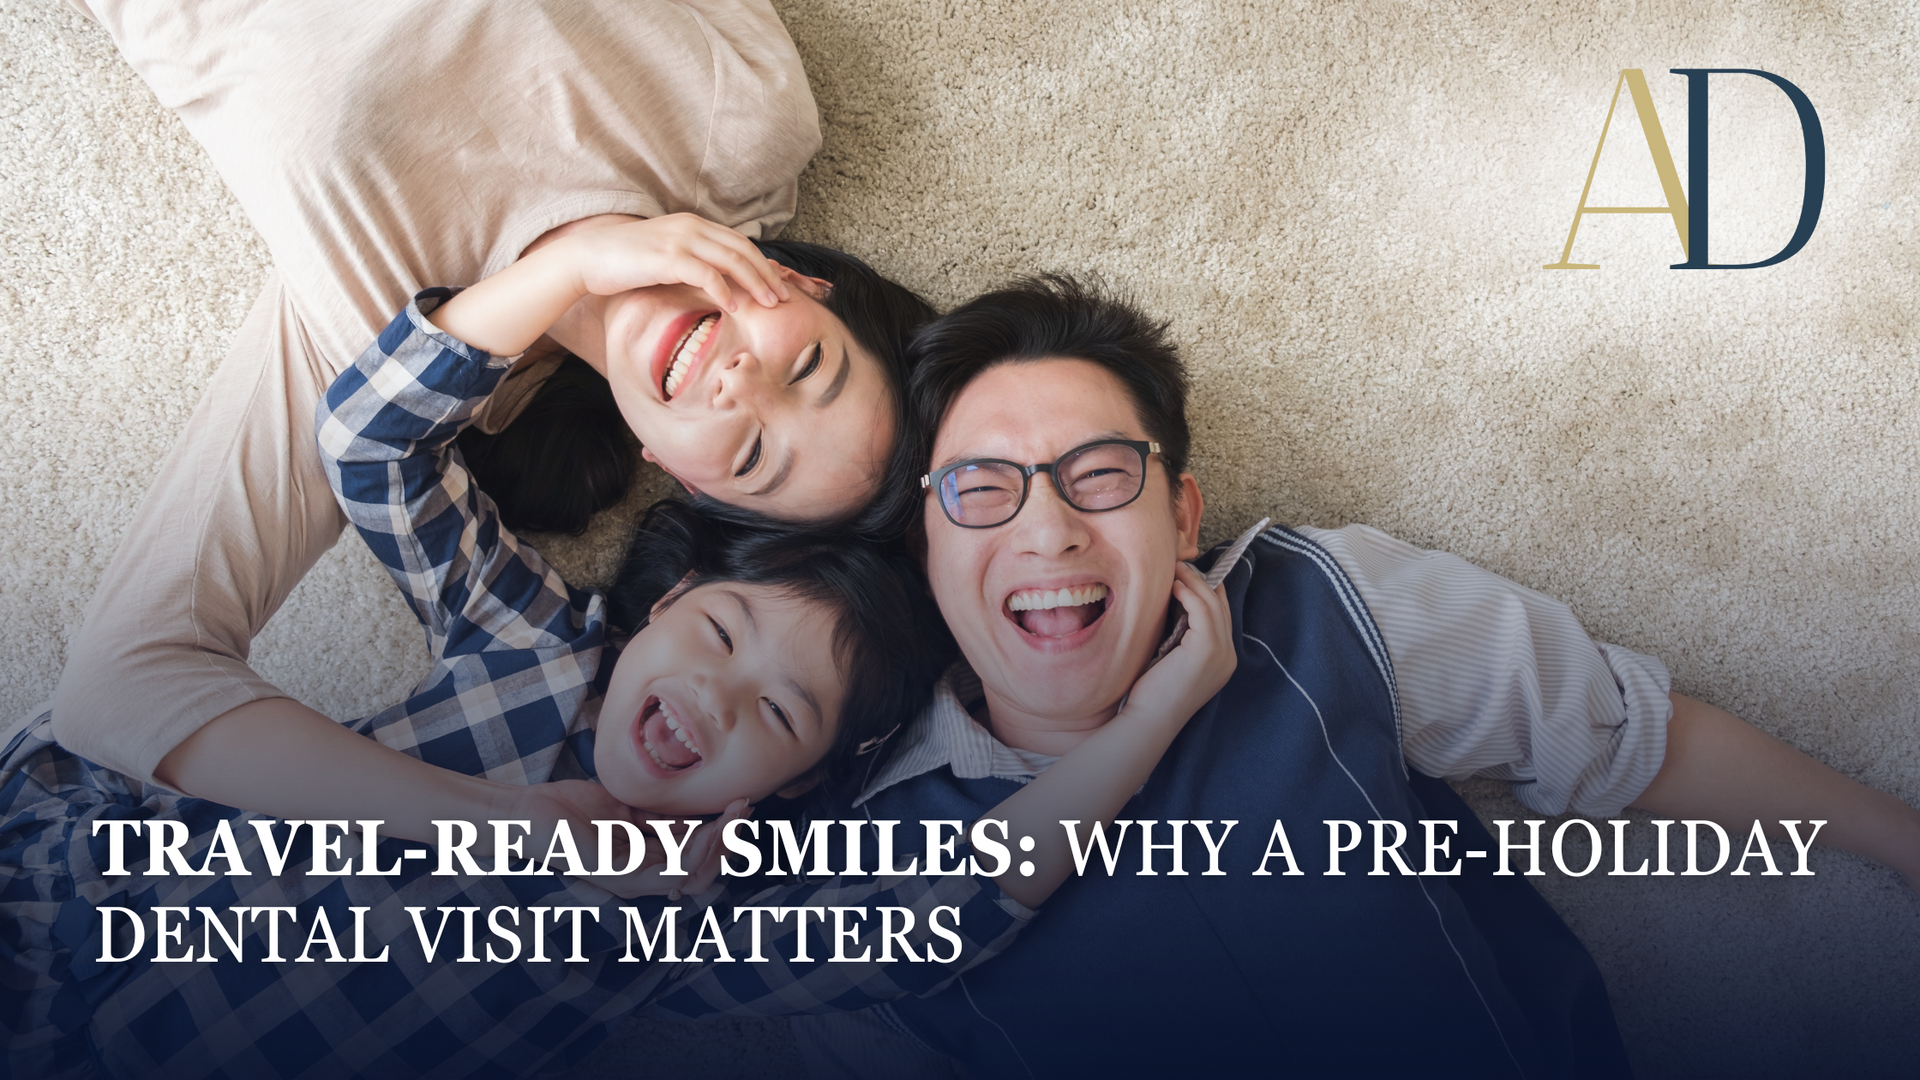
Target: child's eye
{"points": [[752, 459], [722, 631], [813, 365], [780, 714]]}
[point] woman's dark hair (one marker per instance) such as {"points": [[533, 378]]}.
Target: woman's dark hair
{"points": [[570, 455], [566, 457], [1051, 316], [888, 637]]}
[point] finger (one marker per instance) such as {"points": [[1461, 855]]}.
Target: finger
{"points": [[740, 260], [703, 276], [771, 273]]}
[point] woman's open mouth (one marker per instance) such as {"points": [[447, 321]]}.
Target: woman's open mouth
{"points": [[665, 738], [685, 352], [1057, 614]]}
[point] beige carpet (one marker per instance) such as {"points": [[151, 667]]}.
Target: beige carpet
{"points": [[1345, 210]]}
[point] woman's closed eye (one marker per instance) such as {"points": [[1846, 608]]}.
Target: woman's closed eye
{"points": [[753, 459], [812, 364]]}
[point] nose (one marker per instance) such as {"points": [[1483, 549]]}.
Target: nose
{"points": [[741, 381], [712, 693], [1047, 526]]}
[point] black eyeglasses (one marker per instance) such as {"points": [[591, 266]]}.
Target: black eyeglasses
{"points": [[985, 492]]}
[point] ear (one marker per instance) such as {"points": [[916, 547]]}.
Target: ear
{"points": [[1187, 508], [801, 786], [818, 288]]}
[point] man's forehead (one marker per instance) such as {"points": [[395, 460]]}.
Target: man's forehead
{"points": [[1043, 407]]}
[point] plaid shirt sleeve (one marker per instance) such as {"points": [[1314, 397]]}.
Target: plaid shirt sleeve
{"points": [[386, 428], [810, 967]]}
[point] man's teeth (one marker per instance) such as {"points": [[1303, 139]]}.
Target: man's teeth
{"points": [[683, 356], [1046, 599]]}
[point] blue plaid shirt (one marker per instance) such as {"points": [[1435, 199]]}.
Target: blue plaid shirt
{"points": [[519, 657]]}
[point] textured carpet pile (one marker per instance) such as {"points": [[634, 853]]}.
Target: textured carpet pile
{"points": [[1344, 209]]}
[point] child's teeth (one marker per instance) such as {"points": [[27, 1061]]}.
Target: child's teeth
{"points": [[679, 732]]}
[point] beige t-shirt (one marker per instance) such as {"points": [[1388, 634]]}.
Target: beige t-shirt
{"points": [[383, 147]]}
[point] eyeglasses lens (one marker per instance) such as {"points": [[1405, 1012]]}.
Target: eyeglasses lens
{"points": [[1102, 476], [977, 496]]}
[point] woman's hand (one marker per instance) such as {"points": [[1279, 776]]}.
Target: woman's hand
{"points": [[683, 249], [507, 313], [1187, 678]]}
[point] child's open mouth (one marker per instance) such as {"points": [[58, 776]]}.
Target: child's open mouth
{"points": [[666, 738], [1057, 613]]}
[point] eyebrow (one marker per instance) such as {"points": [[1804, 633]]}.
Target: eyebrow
{"points": [[746, 610], [805, 695], [839, 382], [1098, 436]]}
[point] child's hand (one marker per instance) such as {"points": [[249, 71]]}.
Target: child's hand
{"points": [[1175, 688], [675, 249]]}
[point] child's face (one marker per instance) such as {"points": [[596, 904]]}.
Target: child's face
{"points": [[731, 692]]}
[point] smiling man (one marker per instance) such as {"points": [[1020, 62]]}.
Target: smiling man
{"points": [[1057, 505]]}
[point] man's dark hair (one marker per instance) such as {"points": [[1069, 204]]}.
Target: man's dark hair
{"points": [[569, 454], [1051, 316], [888, 638]]}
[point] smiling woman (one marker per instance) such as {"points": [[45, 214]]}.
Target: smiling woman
{"points": [[438, 144]]}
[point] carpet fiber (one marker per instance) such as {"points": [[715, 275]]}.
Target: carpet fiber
{"points": [[1344, 209]]}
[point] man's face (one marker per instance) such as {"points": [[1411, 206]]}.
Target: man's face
{"points": [[999, 587]]}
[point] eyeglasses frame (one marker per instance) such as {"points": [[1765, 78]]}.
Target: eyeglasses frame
{"points": [[1144, 448]]}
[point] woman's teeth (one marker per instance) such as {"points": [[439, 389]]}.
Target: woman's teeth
{"points": [[683, 356], [1047, 599]]}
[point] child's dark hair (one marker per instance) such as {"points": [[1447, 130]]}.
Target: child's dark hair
{"points": [[888, 636], [569, 454]]}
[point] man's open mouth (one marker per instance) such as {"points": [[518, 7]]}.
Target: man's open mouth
{"points": [[665, 737], [685, 352], [1057, 613]]}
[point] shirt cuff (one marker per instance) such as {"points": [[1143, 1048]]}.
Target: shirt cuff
{"points": [[426, 302], [1628, 756]]}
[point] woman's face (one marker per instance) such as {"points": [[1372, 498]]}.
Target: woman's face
{"points": [[730, 692], [771, 409]]}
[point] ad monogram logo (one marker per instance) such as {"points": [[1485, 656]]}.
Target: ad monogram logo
{"points": [[1690, 220]]}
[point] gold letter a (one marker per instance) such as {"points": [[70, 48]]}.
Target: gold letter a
{"points": [[1636, 84]]}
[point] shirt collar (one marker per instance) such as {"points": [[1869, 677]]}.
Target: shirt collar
{"points": [[946, 734]]}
